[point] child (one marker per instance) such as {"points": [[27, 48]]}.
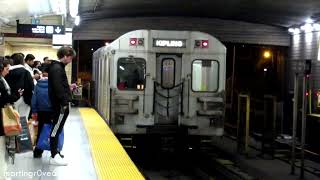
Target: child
{"points": [[41, 106]]}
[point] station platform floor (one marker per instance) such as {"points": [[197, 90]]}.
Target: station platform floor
{"points": [[258, 167], [90, 148]]}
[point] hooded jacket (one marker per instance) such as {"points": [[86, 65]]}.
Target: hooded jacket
{"points": [[40, 98], [20, 78], [59, 91]]}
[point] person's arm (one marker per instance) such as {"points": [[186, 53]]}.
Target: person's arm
{"points": [[57, 86], [13, 97], [5, 98], [28, 88]]}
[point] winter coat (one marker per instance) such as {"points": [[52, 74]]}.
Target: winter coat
{"points": [[20, 78], [40, 98], [59, 91]]}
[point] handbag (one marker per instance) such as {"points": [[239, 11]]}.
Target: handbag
{"points": [[44, 138], [11, 121]]}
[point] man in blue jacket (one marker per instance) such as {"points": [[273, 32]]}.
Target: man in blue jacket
{"points": [[60, 96], [41, 106]]}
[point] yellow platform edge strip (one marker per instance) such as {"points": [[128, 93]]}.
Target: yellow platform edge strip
{"points": [[110, 159]]}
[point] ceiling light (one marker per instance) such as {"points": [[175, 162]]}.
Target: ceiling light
{"points": [[58, 6], [309, 20], [296, 31], [77, 20], [73, 7], [307, 27], [38, 7], [316, 27], [266, 54]]}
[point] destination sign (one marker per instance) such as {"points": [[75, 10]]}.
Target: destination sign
{"points": [[40, 29], [169, 43]]}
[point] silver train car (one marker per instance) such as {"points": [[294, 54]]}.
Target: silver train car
{"points": [[156, 79]]}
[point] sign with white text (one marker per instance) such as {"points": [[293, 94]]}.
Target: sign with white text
{"points": [[174, 43], [40, 29]]}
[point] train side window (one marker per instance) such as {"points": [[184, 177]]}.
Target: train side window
{"points": [[131, 73], [205, 75], [167, 74]]}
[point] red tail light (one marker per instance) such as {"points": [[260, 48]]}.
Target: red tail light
{"points": [[201, 43], [205, 43]]}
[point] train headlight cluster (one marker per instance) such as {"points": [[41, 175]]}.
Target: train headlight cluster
{"points": [[136, 42], [201, 43]]}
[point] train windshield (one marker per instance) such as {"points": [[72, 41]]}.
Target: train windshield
{"points": [[168, 70], [205, 75], [131, 73]]}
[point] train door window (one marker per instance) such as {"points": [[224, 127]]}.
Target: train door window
{"points": [[168, 72], [205, 75], [131, 73]]}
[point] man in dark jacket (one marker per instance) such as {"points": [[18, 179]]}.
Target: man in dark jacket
{"points": [[60, 96]]}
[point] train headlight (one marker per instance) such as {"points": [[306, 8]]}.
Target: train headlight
{"points": [[140, 41]]}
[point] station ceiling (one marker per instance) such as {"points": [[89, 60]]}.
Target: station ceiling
{"points": [[284, 13]]}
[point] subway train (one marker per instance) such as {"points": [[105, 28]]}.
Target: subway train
{"points": [[153, 81]]}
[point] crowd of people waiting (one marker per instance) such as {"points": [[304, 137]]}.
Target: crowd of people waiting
{"points": [[37, 90]]}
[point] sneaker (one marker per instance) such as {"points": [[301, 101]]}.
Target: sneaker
{"points": [[58, 161]]}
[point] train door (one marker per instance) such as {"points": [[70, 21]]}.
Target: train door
{"points": [[167, 88]]}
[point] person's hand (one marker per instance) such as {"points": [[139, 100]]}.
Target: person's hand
{"points": [[73, 86], [20, 91]]}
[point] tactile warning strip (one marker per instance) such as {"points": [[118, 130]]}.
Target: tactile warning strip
{"points": [[110, 159]]}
